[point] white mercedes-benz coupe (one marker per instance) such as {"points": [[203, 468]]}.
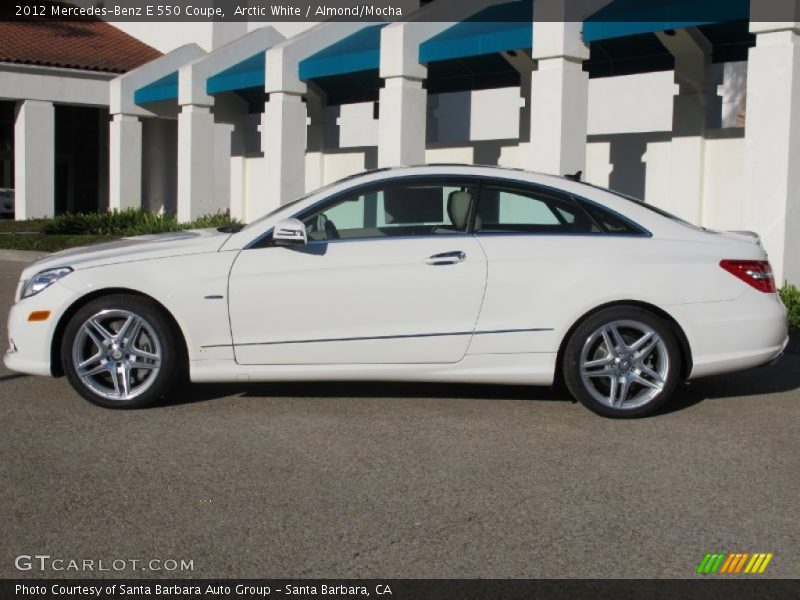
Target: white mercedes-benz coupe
{"points": [[435, 273]]}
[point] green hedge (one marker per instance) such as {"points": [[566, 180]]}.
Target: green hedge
{"points": [[128, 222], [790, 296], [70, 230], [49, 243], [12, 226]]}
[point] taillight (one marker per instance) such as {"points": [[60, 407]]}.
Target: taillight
{"points": [[757, 273]]}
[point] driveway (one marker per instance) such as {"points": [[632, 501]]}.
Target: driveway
{"points": [[390, 480]]}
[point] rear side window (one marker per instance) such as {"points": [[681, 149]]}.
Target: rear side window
{"points": [[511, 210], [610, 222]]}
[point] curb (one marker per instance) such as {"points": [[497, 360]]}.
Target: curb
{"points": [[21, 255]]}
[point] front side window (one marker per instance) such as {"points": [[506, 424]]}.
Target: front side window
{"points": [[509, 210], [393, 210]]}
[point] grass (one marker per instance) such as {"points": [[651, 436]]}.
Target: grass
{"points": [[71, 230]]}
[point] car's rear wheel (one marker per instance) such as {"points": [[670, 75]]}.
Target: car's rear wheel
{"points": [[121, 351], [622, 362]]}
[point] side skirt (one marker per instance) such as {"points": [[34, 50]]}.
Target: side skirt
{"points": [[511, 369]]}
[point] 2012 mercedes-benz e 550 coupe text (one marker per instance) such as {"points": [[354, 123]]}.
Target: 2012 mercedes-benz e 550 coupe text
{"points": [[433, 273]]}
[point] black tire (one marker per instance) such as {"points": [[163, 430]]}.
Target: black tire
{"points": [[158, 334], [626, 367]]}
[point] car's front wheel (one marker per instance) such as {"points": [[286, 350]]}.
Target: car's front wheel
{"points": [[622, 362], [121, 351]]}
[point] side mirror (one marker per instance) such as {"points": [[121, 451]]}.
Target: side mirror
{"points": [[290, 232]]}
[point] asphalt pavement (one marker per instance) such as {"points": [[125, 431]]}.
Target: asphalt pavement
{"points": [[390, 480]]}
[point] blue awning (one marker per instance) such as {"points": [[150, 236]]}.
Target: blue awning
{"points": [[360, 51], [249, 73], [623, 18], [165, 88], [498, 28]]}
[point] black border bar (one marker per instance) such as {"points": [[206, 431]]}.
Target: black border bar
{"points": [[701, 588], [383, 10]]}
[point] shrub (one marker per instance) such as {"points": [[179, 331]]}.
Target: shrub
{"points": [[49, 243], [790, 296], [29, 226], [131, 221]]}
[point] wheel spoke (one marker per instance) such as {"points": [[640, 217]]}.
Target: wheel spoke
{"points": [[96, 338], [132, 323], [656, 385], [125, 379], [138, 353], [101, 368], [650, 373], [115, 380], [596, 374], [648, 349], [145, 366], [92, 359], [642, 341], [616, 337], [622, 392], [607, 341], [600, 362], [93, 326], [612, 392]]}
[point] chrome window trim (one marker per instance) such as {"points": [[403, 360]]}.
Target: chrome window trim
{"points": [[480, 181]]}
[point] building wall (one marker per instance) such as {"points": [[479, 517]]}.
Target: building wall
{"points": [[630, 121], [49, 84]]}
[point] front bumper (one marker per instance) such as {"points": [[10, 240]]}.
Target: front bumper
{"points": [[30, 343]]}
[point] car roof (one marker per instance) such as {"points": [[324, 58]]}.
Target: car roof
{"points": [[463, 168]]}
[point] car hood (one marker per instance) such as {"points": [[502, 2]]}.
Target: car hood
{"points": [[142, 247]]}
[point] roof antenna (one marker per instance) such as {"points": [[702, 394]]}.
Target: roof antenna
{"points": [[575, 176]]}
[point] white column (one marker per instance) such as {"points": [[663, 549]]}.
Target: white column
{"points": [[559, 99], [195, 161], [772, 145], [696, 108], [315, 152], [223, 142], [125, 162], [283, 140], [402, 123], [34, 160]]}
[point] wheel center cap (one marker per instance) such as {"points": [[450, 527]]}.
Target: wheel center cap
{"points": [[625, 364], [116, 355]]}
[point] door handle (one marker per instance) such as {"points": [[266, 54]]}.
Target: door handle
{"points": [[447, 258]]}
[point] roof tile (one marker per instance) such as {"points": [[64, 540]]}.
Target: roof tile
{"points": [[85, 43]]}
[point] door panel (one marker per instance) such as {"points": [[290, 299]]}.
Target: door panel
{"points": [[377, 301]]}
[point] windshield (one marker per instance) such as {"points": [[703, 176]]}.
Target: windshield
{"points": [[644, 204]]}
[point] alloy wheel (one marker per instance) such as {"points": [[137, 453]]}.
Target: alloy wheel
{"points": [[117, 354], [624, 364]]}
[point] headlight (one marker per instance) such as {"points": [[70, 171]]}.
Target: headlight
{"points": [[43, 280]]}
